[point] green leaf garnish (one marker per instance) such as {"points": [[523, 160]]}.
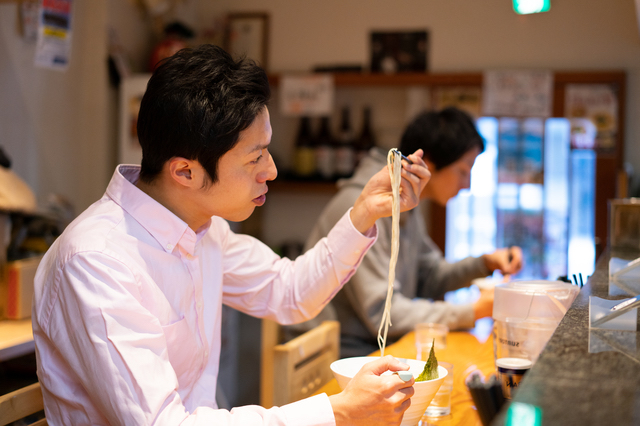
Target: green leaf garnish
{"points": [[430, 371]]}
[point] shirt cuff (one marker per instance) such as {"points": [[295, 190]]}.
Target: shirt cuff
{"points": [[313, 411], [347, 243]]}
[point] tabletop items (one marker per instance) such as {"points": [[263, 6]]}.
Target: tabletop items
{"points": [[487, 396], [441, 403], [624, 223], [510, 373], [613, 314], [427, 334], [526, 313], [469, 352], [624, 276], [344, 369]]}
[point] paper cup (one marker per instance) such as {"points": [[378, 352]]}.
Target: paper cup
{"points": [[510, 372]]}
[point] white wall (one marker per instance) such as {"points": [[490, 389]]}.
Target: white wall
{"points": [[59, 127], [466, 35], [54, 125]]}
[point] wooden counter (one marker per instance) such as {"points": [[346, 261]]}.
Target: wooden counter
{"points": [[16, 338]]}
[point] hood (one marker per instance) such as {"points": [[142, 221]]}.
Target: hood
{"points": [[370, 164]]}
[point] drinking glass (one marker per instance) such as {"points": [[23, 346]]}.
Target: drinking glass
{"points": [[441, 403], [426, 334]]}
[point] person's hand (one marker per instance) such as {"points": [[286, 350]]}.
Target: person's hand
{"points": [[373, 399], [376, 199], [507, 260], [483, 307]]}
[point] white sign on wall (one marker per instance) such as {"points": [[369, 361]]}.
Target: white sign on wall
{"points": [[309, 94], [53, 48], [527, 93]]}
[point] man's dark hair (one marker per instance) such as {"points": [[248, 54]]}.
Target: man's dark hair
{"points": [[444, 136], [196, 104]]}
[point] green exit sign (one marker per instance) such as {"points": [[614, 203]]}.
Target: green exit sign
{"points": [[524, 7]]}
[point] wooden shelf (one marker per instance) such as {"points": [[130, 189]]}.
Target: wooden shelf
{"points": [[608, 164], [400, 79], [457, 78]]}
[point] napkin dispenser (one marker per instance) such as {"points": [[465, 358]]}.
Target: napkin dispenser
{"points": [[624, 223], [613, 326]]}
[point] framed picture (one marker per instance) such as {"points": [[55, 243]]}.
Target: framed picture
{"points": [[593, 111], [399, 51], [248, 35]]}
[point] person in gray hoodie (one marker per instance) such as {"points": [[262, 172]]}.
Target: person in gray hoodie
{"points": [[451, 144]]}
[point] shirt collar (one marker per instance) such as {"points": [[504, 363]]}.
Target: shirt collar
{"points": [[167, 228]]}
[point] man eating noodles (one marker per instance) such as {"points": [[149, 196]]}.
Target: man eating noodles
{"points": [[128, 300]]}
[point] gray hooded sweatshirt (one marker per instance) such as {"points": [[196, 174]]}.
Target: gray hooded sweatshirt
{"points": [[422, 278]]}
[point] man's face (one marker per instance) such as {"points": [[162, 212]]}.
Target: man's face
{"points": [[243, 173], [448, 181]]}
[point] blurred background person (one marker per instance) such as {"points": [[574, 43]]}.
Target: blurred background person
{"points": [[451, 144]]}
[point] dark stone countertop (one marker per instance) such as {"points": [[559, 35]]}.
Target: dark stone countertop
{"points": [[575, 387]]}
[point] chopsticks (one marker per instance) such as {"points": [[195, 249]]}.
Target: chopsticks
{"points": [[402, 155], [575, 281], [487, 396]]}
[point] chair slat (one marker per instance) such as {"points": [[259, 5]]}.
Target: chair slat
{"points": [[21, 403]]}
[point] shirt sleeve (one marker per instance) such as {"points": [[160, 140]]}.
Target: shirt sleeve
{"points": [[261, 284], [119, 356], [367, 293], [437, 276]]}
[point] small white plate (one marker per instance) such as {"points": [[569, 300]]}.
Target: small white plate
{"points": [[486, 283]]}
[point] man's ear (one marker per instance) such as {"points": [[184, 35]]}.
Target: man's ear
{"points": [[181, 170], [429, 163]]}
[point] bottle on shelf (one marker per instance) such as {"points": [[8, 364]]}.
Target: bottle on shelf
{"points": [[345, 150], [325, 152], [366, 140], [304, 161]]}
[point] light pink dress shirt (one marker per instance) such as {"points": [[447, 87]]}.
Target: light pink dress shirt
{"points": [[127, 311]]}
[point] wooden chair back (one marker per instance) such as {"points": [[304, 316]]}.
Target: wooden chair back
{"points": [[22, 403], [294, 370]]}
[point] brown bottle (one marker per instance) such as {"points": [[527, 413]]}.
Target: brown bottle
{"points": [[366, 140], [345, 150], [304, 161], [325, 153]]}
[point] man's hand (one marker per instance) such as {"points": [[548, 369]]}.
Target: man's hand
{"points": [[372, 399], [376, 199], [483, 307], [507, 260]]}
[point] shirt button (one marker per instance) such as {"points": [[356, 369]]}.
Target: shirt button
{"points": [[169, 247], [206, 354], [189, 256], [199, 305]]}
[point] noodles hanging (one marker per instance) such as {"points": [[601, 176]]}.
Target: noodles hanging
{"points": [[394, 164]]}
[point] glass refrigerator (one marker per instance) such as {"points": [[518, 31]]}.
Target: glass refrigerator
{"points": [[529, 188]]}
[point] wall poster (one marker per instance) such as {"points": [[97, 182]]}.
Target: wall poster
{"points": [[468, 99], [593, 112], [509, 93]]}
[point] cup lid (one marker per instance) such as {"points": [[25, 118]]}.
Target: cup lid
{"points": [[518, 363]]}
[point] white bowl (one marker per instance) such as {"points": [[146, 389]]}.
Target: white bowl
{"points": [[487, 283], [344, 369]]}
